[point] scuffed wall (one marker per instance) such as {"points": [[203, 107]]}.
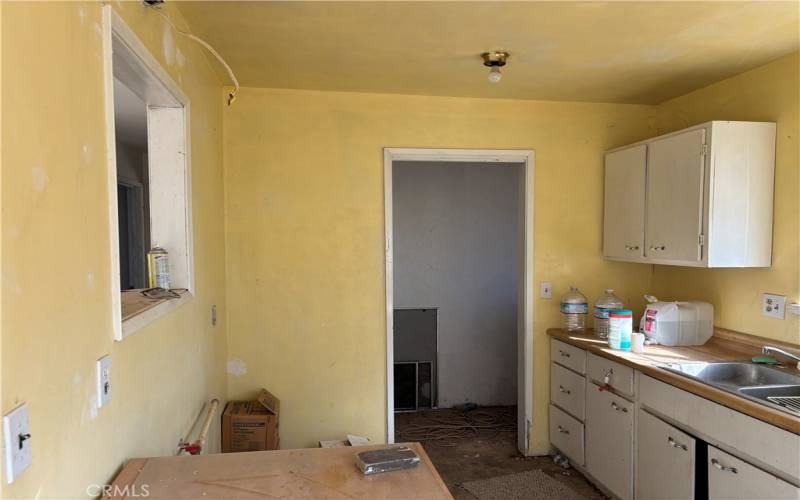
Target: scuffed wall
{"points": [[305, 236], [56, 309]]}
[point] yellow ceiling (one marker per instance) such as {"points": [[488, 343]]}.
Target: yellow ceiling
{"points": [[630, 52]]}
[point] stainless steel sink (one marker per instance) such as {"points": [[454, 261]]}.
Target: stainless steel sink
{"points": [[760, 383]]}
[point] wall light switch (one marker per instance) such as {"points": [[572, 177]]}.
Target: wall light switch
{"points": [[546, 290], [17, 441], [773, 306], [103, 380]]}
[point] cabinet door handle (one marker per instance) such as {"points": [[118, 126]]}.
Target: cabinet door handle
{"points": [[676, 444], [563, 354], [618, 407], [562, 430], [662, 248], [721, 467], [631, 247], [565, 391]]}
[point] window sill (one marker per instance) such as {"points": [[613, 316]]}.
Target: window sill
{"points": [[139, 311]]}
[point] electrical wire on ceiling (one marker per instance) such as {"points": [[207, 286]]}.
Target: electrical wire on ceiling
{"points": [[232, 94]]}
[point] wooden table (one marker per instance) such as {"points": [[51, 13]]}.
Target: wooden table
{"points": [[305, 473]]}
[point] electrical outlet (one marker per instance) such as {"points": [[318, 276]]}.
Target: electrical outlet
{"points": [[773, 306], [17, 438], [103, 380], [546, 290]]}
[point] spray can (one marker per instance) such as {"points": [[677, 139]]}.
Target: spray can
{"points": [[158, 268]]}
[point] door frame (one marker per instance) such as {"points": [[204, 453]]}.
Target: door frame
{"points": [[525, 329]]}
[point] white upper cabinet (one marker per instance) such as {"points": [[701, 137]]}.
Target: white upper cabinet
{"points": [[623, 214], [697, 197]]}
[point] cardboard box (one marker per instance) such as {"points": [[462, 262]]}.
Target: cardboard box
{"points": [[251, 425]]}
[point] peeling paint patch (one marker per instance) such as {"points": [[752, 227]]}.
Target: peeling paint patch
{"points": [[87, 153], [168, 43], [237, 367], [82, 15], [39, 179], [90, 280], [90, 412]]}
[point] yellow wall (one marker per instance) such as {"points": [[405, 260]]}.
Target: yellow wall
{"points": [[304, 217], [56, 311], [769, 93]]}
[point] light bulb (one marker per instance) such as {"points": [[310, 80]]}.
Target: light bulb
{"points": [[494, 74]]}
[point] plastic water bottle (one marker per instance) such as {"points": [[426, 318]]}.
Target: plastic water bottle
{"points": [[608, 302], [574, 308]]}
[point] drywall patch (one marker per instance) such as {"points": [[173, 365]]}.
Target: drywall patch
{"points": [[82, 15], [87, 153], [180, 58], [89, 280], [39, 179], [168, 44], [237, 367]]}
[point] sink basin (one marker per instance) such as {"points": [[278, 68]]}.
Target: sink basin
{"points": [[759, 383], [785, 397], [734, 374]]}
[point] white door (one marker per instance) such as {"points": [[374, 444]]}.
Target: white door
{"points": [[675, 176], [609, 440], [665, 460], [731, 478], [623, 214]]}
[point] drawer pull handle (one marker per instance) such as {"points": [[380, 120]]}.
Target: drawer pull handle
{"points": [[564, 354], [631, 247], [676, 444], [721, 467], [618, 407], [565, 391], [562, 430]]}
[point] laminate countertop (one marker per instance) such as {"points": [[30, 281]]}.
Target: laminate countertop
{"points": [[725, 345]]}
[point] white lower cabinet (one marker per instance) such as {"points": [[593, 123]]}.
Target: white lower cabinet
{"points": [[732, 478], [566, 434], [609, 440], [665, 460]]}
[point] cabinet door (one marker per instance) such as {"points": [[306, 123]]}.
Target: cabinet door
{"points": [[609, 440], [623, 214], [731, 478], [665, 460], [675, 186]]}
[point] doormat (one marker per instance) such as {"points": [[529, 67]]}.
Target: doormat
{"points": [[530, 485]]}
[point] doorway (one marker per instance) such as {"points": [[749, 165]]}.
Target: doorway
{"points": [[497, 328]]}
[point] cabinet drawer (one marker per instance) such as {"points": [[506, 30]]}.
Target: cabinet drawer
{"points": [[620, 377], [568, 391], [572, 357], [731, 478], [566, 434], [758, 442], [665, 460], [609, 440]]}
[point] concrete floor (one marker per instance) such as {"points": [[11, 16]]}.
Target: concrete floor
{"points": [[467, 455]]}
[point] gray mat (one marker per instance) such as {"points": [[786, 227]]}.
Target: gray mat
{"points": [[530, 485]]}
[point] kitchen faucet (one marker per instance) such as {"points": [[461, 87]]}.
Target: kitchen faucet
{"points": [[768, 349]]}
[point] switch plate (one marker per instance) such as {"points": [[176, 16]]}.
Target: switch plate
{"points": [[18, 448], [773, 306], [546, 290], [103, 380]]}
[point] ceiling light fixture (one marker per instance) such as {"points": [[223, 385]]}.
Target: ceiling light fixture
{"points": [[495, 60]]}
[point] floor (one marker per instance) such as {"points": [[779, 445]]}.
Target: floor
{"points": [[479, 444]]}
